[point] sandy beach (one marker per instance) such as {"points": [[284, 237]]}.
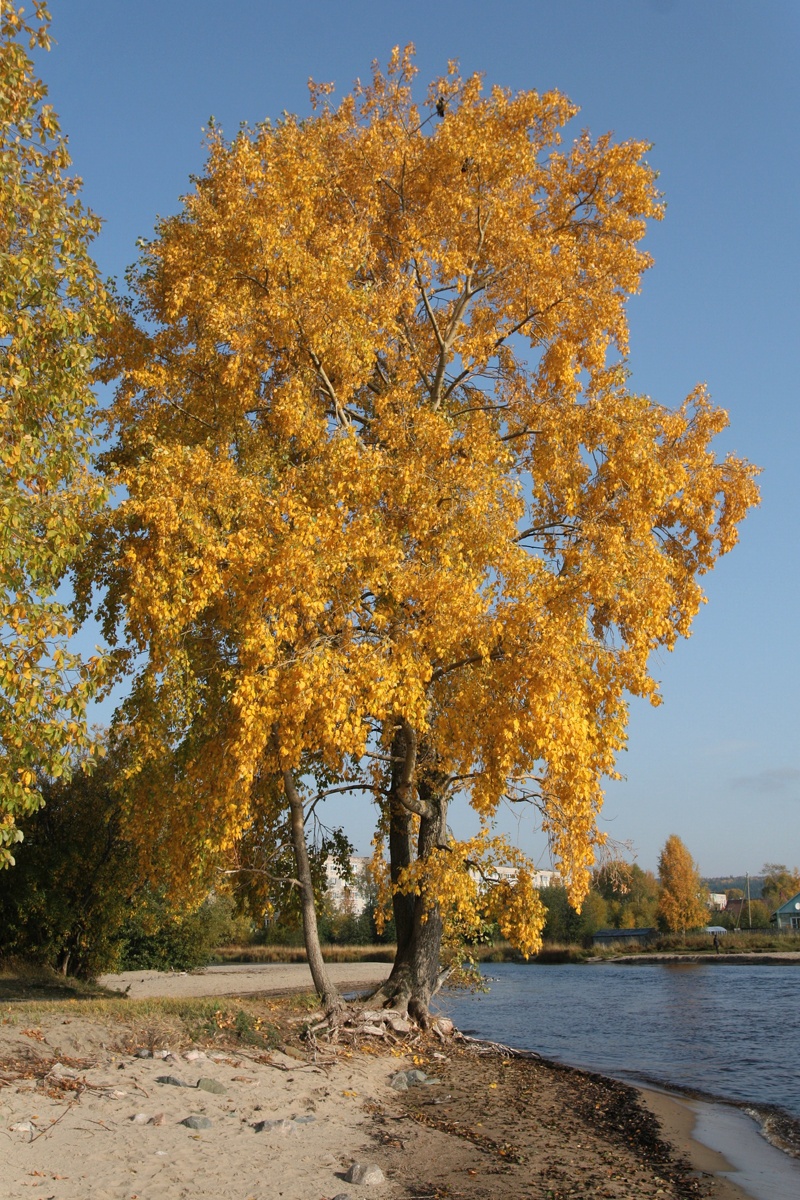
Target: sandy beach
{"points": [[95, 1099]]}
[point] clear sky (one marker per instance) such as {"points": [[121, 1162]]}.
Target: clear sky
{"points": [[713, 85]]}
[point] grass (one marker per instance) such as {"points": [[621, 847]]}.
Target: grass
{"points": [[31, 994], [733, 942], [297, 954]]}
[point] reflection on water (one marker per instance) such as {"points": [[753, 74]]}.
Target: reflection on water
{"points": [[726, 1031]]}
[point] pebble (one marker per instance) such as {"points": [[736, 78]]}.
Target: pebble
{"points": [[173, 1080], [140, 1119], [368, 1174], [22, 1127], [210, 1085], [282, 1125], [194, 1122], [142, 1052], [195, 1055]]}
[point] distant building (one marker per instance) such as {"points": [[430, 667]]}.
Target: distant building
{"points": [[717, 900], [788, 915], [346, 897], [541, 878]]}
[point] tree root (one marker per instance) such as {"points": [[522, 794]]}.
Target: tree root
{"points": [[352, 1024]]}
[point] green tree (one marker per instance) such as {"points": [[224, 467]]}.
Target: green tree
{"points": [[779, 885], [681, 904], [52, 305], [631, 895], [66, 900]]}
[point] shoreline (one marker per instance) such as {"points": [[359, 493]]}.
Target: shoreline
{"points": [[684, 1110], [567, 1128], [728, 1141]]}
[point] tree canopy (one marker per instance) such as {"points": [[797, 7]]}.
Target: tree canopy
{"points": [[392, 517], [52, 306], [681, 904]]}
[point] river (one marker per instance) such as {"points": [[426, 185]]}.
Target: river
{"points": [[726, 1032]]}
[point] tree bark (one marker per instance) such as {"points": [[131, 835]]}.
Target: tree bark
{"points": [[327, 991], [416, 973], [401, 839]]}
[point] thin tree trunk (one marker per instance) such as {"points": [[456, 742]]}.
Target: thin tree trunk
{"points": [[327, 991]]}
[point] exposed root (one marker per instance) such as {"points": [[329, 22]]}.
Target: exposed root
{"points": [[388, 1025]]}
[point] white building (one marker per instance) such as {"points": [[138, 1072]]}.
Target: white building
{"points": [[346, 896]]}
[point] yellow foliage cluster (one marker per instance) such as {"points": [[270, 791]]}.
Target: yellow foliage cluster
{"points": [[380, 464], [682, 900], [53, 306]]}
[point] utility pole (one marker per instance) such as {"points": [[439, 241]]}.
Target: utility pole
{"points": [[749, 912]]}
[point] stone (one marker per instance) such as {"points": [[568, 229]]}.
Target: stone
{"points": [[372, 1030], [194, 1122], [368, 1174], [22, 1127], [444, 1026], [399, 1024], [158, 1119], [195, 1055], [140, 1119], [210, 1085], [143, 1052], [342, 1196], [172, 1080], [403, 1080], [282, 1125]]}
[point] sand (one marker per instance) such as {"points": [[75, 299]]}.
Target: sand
{"points": [[83, 1117], [242, 979]]}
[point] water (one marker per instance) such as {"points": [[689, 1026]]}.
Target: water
{"points": [[729, 1032]]}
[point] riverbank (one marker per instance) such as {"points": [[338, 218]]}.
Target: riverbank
{"points": [[87, 1114], [85, 1118]]}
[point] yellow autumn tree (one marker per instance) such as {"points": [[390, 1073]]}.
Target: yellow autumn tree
{"points": [[392, 517], [52, 305], [681, 902]]}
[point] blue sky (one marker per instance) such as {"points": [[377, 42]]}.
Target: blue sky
{"points": [[713, 85]]}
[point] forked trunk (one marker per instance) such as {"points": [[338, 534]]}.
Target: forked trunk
{"points": [[416, 973], [327, 991]]}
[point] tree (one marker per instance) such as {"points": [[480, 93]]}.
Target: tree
{"points": [[779, 885], [79, 898], [393, 520], [69, 894], [52, 306], [681, 904], [631, 894]]}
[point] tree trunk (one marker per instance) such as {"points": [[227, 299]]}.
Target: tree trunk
{"points": [[401, 843], [326, 990], [416, 974]]}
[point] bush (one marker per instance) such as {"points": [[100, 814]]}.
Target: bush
{"points": [[158, 938], [65, 901]]}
